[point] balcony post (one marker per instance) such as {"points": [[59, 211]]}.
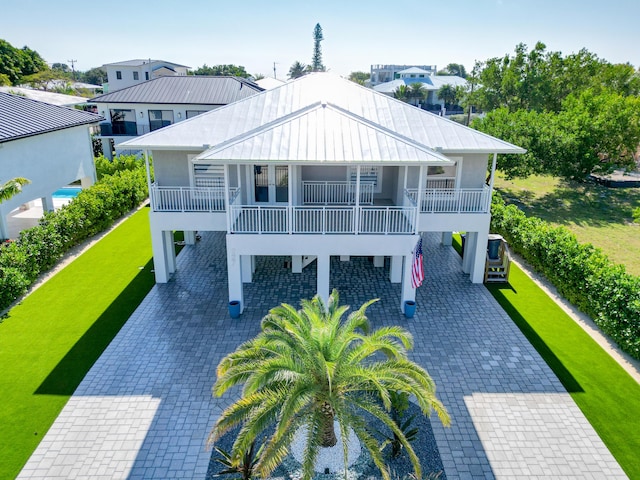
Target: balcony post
{"points": [[290, 198], [227, 199], [419, 196], [356, 211], [324, 265]]}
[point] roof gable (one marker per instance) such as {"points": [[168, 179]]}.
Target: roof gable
{"points": [[186, 89], [23, 117], [338, 136], [223, 124]]}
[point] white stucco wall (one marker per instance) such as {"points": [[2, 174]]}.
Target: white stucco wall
{"points": [[171, 168], [474, 171], [50, 161]]}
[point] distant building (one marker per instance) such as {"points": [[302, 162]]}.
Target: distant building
{"points": [[151, 105], [132, 72], [386, 73]]}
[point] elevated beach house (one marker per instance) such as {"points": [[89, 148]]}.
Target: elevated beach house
{"points": [[320, 166]]}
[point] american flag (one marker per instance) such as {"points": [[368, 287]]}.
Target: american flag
{"points": [[417, 269]]}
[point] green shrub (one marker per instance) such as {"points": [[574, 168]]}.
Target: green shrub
{"points": [[581, 273], [94, 210], [636, 215], [104, 166]]}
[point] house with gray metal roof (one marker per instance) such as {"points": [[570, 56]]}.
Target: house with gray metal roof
{"points": [[155, 104], [48, 144], [132, 72], [315, 168]]}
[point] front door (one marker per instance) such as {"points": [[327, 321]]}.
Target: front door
{"points": [[271, 184]]}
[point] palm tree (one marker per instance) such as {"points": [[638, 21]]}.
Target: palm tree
{"points": [[297, 70], [417, 92], [308, 367], [401, 93], [448, 94], [12, 188]]}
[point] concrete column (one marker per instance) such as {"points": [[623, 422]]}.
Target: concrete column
{"points": [[480, 256], [408, 292], [47, 203], [395, 270], [4, 229], [447, 239], [247, 270], [170, 251], [234, 273], [344, 258], [296, 263], [159, 249], [253, 264], [106, 148], [378, 261], [324, 274], [469, 248], [86, 182], [189, 237]]}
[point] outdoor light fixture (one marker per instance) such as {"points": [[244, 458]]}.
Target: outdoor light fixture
{"points": [[141, 114], [179, 115]]}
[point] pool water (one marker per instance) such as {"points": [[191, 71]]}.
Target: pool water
{"points": [[67, 192]]}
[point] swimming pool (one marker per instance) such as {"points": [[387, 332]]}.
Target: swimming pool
{"points": [[67, 192]]}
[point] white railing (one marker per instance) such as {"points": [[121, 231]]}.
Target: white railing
{"points": [[336, 193], [453, 200], [444, 182], [323, 220], [189, 199]]}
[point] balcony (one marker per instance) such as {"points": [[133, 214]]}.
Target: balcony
{"points": [[125, 129], [453, 200], [190, 199]]}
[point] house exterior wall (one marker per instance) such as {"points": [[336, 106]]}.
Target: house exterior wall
{"points": [[171, 168], [474, 171], [312, 173], [153, 69], [50, 161]]}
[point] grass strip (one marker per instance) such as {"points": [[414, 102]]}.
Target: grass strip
{"points": [[607, 395], [52, 338]]}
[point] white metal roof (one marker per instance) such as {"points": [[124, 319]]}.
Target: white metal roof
{"points": [[333, 136], [365, 105]]}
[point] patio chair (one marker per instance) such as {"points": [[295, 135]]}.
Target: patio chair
{"points": [[498, 260]]}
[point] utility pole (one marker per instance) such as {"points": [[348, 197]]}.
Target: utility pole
{"points": [[73, 62], [274, 70]]}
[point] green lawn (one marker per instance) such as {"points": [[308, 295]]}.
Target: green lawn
{"points": [[50, 341], [595, 214], [607, 395]]}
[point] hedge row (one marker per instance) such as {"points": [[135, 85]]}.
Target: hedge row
{"points": [[94, 210], [581, 273]]}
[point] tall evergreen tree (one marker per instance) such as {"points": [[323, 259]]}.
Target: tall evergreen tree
{"points": [[316, 61]]}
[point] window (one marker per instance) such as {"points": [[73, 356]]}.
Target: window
{"points": [[160, 118], [136, 76], [368, 174], [208, 175], [193, 113], [146, 75], [123, 122], [118, 74]]}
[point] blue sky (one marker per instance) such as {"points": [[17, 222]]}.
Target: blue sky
{"points": [[256, 34]]}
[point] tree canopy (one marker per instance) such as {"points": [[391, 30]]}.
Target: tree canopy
{"points": [[297, 70], [359, 77], [316, 59], [575, 114], [454, 69], [233, 70], [16, 63]]}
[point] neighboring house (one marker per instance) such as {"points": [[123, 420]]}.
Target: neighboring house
{"points": [[47, 144], [132, 72], [430, 83], [157, 103], [318, 167], [386, 73], [46, 97]]}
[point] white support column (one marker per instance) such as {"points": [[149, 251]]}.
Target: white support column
{"points": [[356, 213], [234, 274], [493, 171], [419, 196], [324, 274], [4, 229], [479, 256], [190, 237], [447, 239], [408, 292], [296, 263], [160, 266], [106, 148], [469, 248], [227, 199], [247, 268], [47, 203], [253, 264], [395, 270], [170, 251], [378, 261], [290, 214]]}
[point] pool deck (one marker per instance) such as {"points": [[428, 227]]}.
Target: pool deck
{"points": [[145, 408]]}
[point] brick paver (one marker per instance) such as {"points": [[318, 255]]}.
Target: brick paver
{"points": [[145, 408]]}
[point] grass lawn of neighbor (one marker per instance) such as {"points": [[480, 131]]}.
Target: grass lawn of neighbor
{"points": [[595, 214]]}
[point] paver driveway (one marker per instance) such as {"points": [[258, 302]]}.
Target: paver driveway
{"points": [[145, 408]]}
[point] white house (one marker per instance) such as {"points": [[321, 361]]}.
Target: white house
{"points": [[48, 144], [386, 73], [132, 72], [319, 167], [151, 105]]}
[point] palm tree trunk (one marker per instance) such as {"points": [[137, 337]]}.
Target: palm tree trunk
{"points": [[327, 432]]}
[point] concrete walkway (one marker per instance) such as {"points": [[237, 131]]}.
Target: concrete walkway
{"points": [[145, 408]]}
